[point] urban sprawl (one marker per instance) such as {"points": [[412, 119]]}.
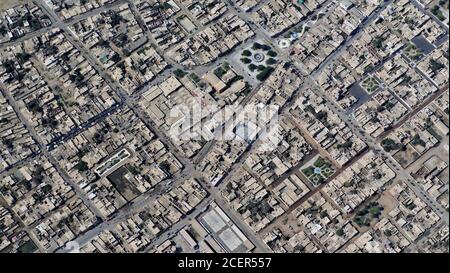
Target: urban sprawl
{"points": [[359, 161]]}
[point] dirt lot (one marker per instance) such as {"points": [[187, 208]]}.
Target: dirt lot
{"points": [[405, 158], [6, 4]]}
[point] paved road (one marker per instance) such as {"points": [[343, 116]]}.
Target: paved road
{"points": [[132, 208], [127, 99], [311, 193], [338, 52], [173, 230], [131, 103], [22, 162], [27, 36], [421, 7], [402, 174], [79, 129], [189, 171], [308, 19], [393, 164], [70, 21], [143, 200], [46, 153], [414, 112]]}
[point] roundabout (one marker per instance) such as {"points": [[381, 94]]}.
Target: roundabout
{"points": [[259, 57]]}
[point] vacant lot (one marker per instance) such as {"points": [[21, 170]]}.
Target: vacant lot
{"points": [[6, 4]]}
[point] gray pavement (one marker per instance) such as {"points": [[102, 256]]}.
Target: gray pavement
{"points": [[189, 167]]}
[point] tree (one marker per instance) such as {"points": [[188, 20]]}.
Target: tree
{"points": [[98, 138], [180, 73], [116, 19], [195, 78], [266, 47], [133, 170], [23, 57], [247, 53], [50, 122], [166, 6], [375, 211], [46, 189], [261, 67], [9, 66], [219, 72], [271, 61], [116, 58], [263, 75], [226, 66], [375, 119], [35, 24], [436, 10], [378, 42], [349, 184], [37, 175], [8, 143], [390, 145], [34, 106], [418, 141], [257, 46], [246, 60], [82, 166], [3, 30], [310, 109], [347, 145], [50, 49], [165, 166], [272, 53], [252, 67], [77, 77], [322, 115], [435, 66], [104, 43]]}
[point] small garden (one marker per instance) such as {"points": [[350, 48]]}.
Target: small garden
{"points": [[260, 59], [413, 52], [370, 85], [437, 11], [319, 172], [367, 215]]}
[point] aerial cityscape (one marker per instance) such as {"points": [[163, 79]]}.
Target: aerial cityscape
{"points": [[233, 126]]}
